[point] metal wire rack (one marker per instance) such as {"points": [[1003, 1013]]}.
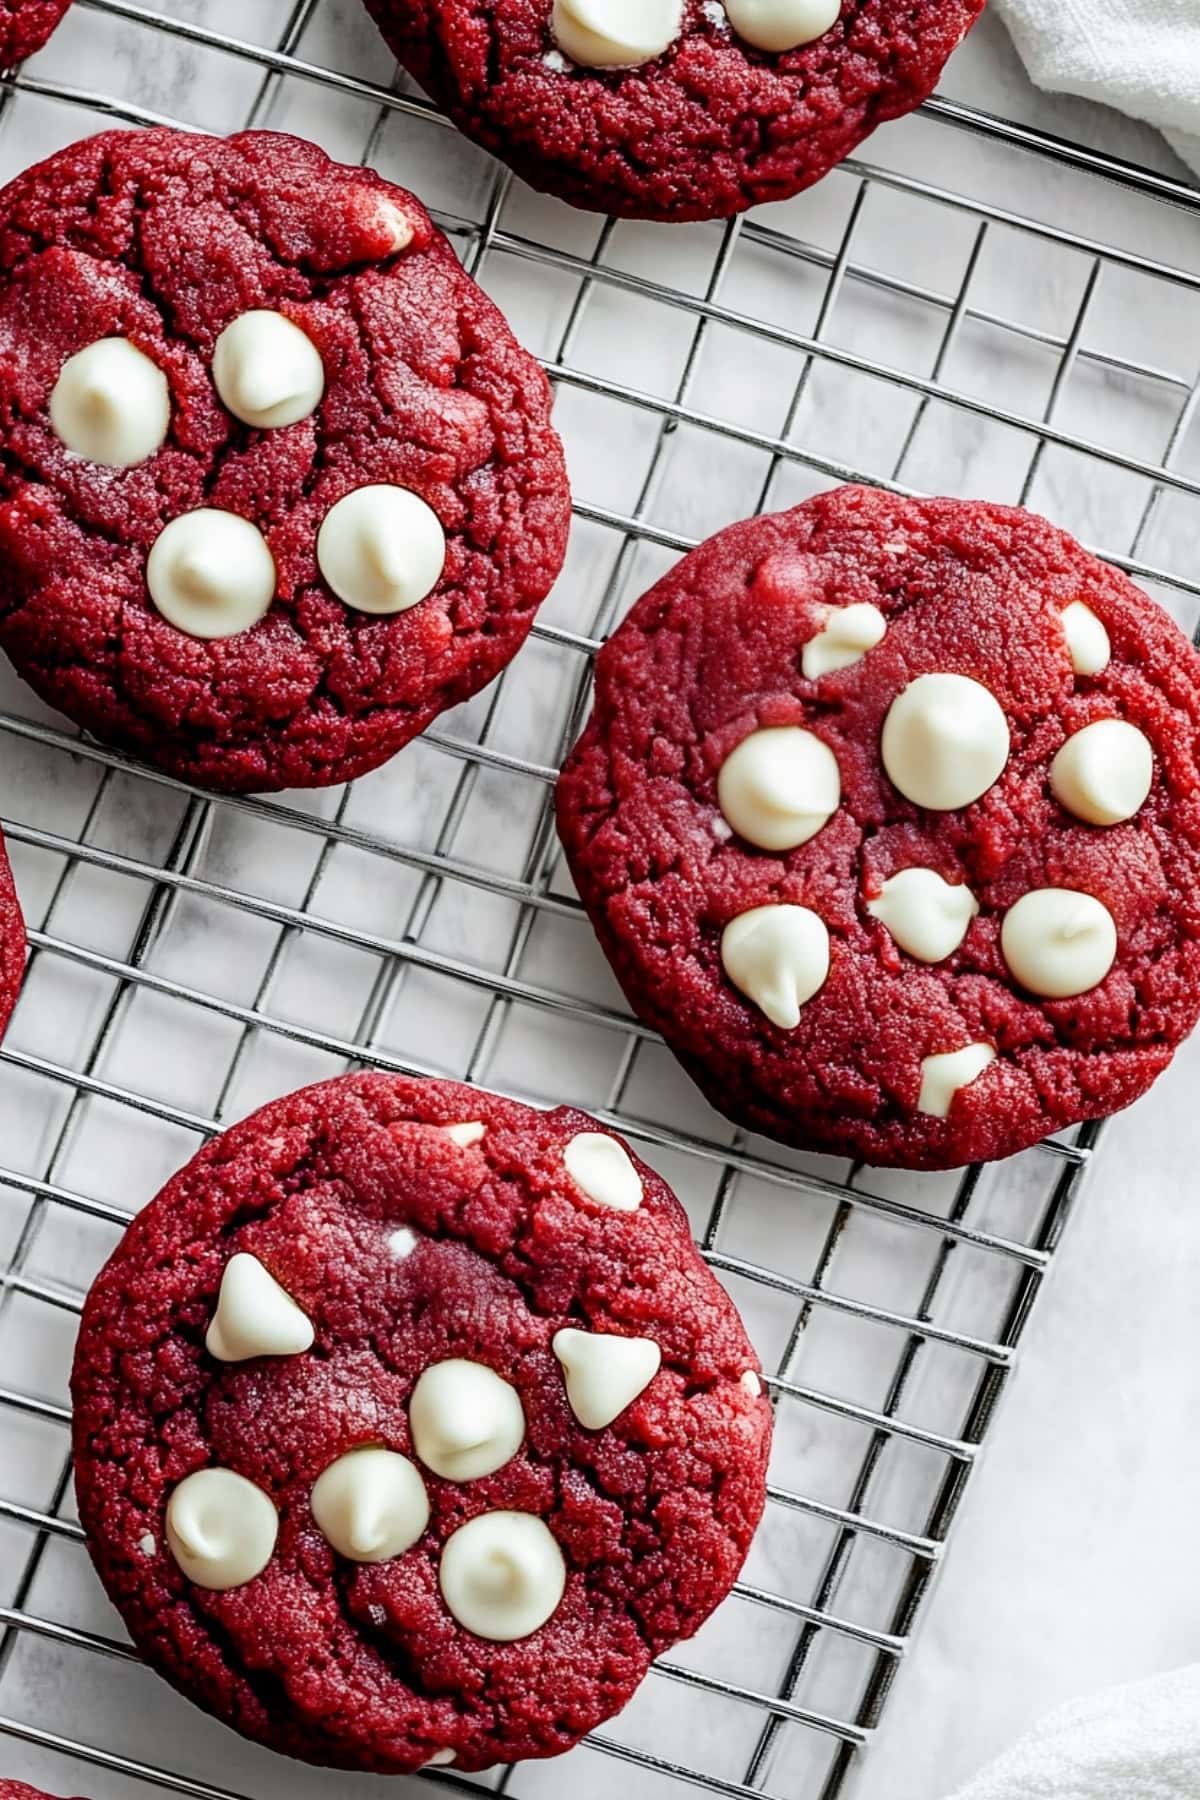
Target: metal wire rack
{"points": [[191, 957]]}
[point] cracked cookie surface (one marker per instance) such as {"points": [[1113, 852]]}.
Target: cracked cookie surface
{"points": [[163, 239], [716, 653], [407, 1244], [704, 130]]}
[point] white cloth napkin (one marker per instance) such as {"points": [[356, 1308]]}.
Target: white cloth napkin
{"points": [[1131, 1743], [1142, 56]]}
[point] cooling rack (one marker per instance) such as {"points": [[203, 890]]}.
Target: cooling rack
{"points": [[972, 307]]}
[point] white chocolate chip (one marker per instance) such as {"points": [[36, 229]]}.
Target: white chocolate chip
{"points": [[602, 1167], [604, 1373], [466, 1421], [778, 956], [1087, 640], [502, 1575], [254, 1316], [397, 225], [381, 549], [1058, 942], [848, 633], [267, 371], [1103, 773], [782, 24], [402, 1243], [943, 1075], [751, 1383], [927, 916], [211, 574], [221, 1529], [779, 787], [370, 1504], [148, 1544], [945, 741], [466, 1134], [615, 34], [440, 1759], [111, 404]]}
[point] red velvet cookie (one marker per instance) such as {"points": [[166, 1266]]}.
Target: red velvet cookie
{"points": [[12, 941], [888, 818], [410, 1426], [674, 109], [25, 25], [278, 484]]}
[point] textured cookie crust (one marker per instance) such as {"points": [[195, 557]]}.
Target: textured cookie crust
{"points": [[704, 131], [713, 652], [12, 941], [164, 238], [358, 1665], [20, 1790], [25, 25]]}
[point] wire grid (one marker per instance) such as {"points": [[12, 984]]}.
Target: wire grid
{"points": [[191, 957]]}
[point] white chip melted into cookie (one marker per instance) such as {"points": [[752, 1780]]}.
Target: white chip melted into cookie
{"points": [[267, 371], [370, 1504], [945, 741], [778, 956], [948, 1071], [1058, 942], [779, 787], [844, 639], [382, 549], [1087, 638], [255, 1316], [781, 25], [1104, 773], [604, 1373], [927, 915], [615, 34], [211, 574], [603, 1168], [111, 404], [503, 1575], [221, 1529], [466, 1420]]}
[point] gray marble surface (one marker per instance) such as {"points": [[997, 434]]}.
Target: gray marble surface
{"points": [[1071, 1562]]}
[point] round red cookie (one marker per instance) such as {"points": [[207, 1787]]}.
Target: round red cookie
{"points": [[716, 652], [164, 240], [407, 1246], [25, 25], [711, 126], [12, 941]]}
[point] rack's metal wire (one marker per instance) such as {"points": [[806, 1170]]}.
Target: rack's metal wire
{"points": [[958, 1223]]}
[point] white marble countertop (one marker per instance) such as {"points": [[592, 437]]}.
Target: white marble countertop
{"points": [[1071, 1561]]}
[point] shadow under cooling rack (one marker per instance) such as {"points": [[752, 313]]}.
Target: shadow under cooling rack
{"points": [[1026, 336]]}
